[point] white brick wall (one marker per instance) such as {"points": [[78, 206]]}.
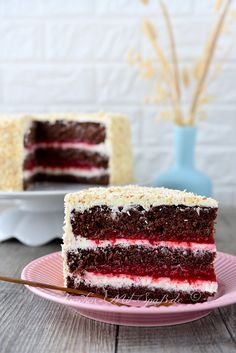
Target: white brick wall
{"points": [[59, 55]]}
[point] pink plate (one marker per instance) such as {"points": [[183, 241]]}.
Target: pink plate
{"points": [[48, 269]]}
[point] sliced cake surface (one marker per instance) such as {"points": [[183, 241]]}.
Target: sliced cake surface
{"points": [[76, 148], [140, 242]]}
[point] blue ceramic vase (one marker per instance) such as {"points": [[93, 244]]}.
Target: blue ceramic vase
{"points": [[183, 175]]}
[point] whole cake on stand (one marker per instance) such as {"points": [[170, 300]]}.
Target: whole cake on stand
{"points": [[73, 148]]}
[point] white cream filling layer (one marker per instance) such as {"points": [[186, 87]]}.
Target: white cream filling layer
{"points": [[80, 172], [119, 281], [99, 148], [84, 243]]}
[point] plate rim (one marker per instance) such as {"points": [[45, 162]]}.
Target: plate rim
{"points": [[173, 309]]}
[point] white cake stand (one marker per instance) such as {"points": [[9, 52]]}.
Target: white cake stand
{"points": [[36, 216]]}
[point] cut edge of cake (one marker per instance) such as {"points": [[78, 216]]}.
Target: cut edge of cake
{"points": [[12, 152]]}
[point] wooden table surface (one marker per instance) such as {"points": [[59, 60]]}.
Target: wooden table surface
{"points": [[31, 324]]}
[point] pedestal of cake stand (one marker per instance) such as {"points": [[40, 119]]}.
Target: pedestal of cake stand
{"points": [[34, 221]]}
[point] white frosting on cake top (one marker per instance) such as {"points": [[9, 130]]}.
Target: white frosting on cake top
{"points": [[132, 195]]}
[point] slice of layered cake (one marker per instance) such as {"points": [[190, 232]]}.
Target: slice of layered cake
{"points": [[76, 148], [141, 243]]}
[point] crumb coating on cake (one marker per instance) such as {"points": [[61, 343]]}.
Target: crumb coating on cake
{"points": [[121, 160], [133, 195], [12, 130]]}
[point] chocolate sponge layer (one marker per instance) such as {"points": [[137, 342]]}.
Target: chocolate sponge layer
{"points": [[61, 131], [65, 131], [141, 261], [181, 223], [69, 157], [65, 178], [142, 293]]}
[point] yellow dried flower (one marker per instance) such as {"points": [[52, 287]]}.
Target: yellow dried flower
{"points": [[149, 30], [197, 67], [218, 4], [218, 66], [147, 70], [161, 93], [185, 77], [167, 88]]}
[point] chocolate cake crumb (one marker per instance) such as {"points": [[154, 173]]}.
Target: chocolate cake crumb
{"points": [[69, 157], [158, 223], [62, 131], [138, 260]]}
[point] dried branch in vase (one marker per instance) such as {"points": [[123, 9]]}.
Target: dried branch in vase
{"points": [[170, 81]]}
